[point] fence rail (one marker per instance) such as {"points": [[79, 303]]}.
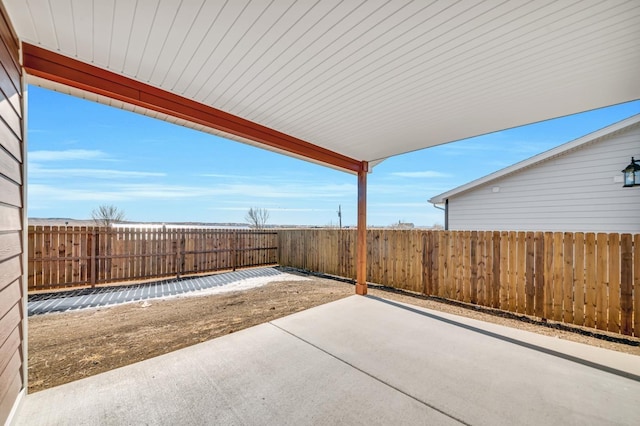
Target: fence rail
{"points": [[585, 279], [61, 257]]}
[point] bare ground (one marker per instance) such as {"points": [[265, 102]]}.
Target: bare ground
{"points": [[69, 346]]}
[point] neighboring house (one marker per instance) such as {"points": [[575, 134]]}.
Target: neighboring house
{"points": [[575, 187]]}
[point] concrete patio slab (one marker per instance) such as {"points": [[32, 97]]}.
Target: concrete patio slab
{"points": [[359, 360]]}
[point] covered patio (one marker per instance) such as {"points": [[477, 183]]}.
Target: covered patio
{"points": [[346, 85], [399, 365]]}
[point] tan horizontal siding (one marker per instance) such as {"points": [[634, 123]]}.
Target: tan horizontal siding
{"points": [[10, 218], [9, 347], [10, 91], [10, 167], [10, 245], [8, 63], [12, 371], [9, 296], [9, 322], [13, 390], [10, 192], [9, 271], [8, 375], [10, 116], [11, 143]]}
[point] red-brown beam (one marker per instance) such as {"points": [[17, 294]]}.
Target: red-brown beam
{"points": [[52, 66], [361, 247]]}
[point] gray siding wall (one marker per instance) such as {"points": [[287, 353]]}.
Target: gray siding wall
{"points": [[578, 191], [11, 220]]}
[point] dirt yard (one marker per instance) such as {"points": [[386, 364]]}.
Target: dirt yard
{"points": [[68, 346]]}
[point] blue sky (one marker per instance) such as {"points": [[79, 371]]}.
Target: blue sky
{"points": [[83, 154]]}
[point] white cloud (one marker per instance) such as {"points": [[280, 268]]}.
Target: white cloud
{"points": [[423, 174], [272, 209], [225, 176], [149, 191], [42, 193], [418, 205], [36, 171], [69, 154]]}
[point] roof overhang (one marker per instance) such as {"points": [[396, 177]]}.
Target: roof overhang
{"points": [[55, 68], [341, 83], [537, 159]]}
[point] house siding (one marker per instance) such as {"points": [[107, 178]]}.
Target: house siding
{"points": [[11, 221], [577, 191]]}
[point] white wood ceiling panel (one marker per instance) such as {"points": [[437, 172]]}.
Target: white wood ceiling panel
{"points": [[162, 27], [407, 73], [174, 40], [332, 58], [456, 90], [251, 24], [202, 41], [40, 15], [368, 79], [293, 51], [82, 12], [395, 65], [62, 17], [24, 17], [267, 30], [123, 19], [244, 76], [102, 31], [143, 19]]}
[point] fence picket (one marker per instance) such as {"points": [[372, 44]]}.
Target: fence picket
{"points": [[613, 323], [497, 272], [558, 276], [636, 286], [548, 274], [590, 260], [504, 270], [529, 274], [602, 282], [567, 291], [578, 279], [626, 284], [539, 290], [513, 277], [482, 268]]}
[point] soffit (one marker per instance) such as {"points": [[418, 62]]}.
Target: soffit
{"points": [[368, 79]]}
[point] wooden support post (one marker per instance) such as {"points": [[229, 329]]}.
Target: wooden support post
{"points": [[361, 247]]}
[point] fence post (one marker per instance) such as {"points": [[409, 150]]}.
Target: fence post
{"points": [[93, 261], [234, 242], [181, 249]]}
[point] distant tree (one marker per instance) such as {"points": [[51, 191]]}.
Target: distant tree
{"points": [[257, 217], [106, 215]]}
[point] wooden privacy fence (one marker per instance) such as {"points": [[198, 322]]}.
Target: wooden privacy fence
{"points": [[586, 279], [61, 257]]}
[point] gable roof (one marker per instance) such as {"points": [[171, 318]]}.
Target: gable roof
{"points": [[537, 159]]}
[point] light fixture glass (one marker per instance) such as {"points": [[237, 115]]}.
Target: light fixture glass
{"points": [[631, 174]]}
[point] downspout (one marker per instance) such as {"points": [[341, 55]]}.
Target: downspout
{"points": [[445, 209]]}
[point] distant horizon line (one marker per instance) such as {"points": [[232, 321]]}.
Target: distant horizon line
{"points": [[63, 221]]}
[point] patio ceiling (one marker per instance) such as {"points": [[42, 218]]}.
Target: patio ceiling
{"points": [[364, 80]]}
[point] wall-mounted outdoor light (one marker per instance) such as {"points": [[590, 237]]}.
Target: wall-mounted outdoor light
{"points": [[631, 174]]}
